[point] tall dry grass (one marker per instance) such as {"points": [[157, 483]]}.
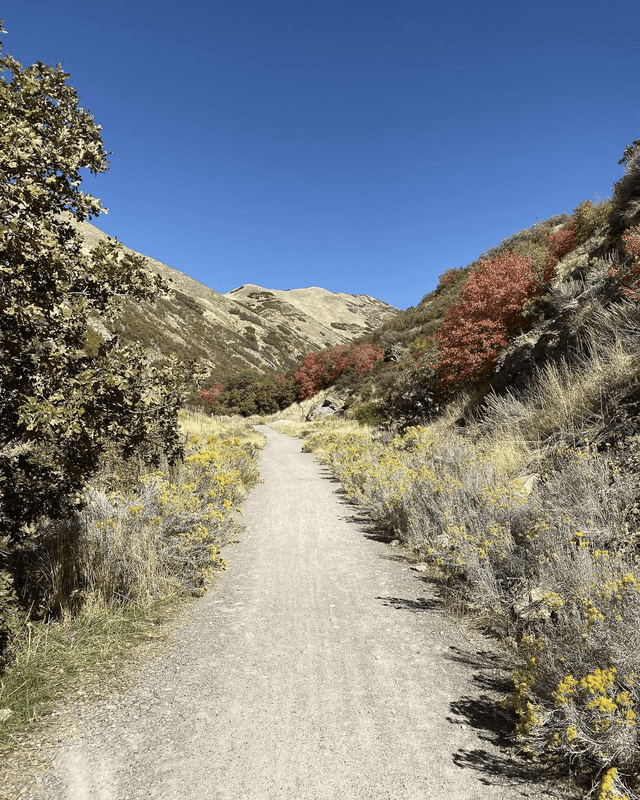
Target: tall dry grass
{"points": [[530, 513], [89, 582]]}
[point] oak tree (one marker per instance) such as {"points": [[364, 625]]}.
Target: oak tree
{"points": [[62, 402]]}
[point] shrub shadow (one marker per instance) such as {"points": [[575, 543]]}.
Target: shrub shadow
{"points": [[370, 529], [495, 724], [499, 764], [420, 605]]}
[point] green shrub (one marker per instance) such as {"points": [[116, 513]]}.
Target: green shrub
{"points": [[12, 618], [367, 413], [589, 218], [626, 192]]}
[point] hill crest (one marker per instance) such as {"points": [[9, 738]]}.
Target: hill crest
{"points": [[248, 327]]}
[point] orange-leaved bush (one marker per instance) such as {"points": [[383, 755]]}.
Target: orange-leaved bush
{"points": [[558, 245], [489, 312], [320, 369]]}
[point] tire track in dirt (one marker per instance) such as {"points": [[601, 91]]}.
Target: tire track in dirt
{"points": [[320, 667]]}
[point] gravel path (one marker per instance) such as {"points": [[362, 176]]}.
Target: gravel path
{"points": [[320, 667]]}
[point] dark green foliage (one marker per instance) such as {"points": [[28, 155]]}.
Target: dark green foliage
{"points": [[246, 317], [11, 618], [250, 334], [250, 392], [626, 192], [367, 413], [63, 393]]}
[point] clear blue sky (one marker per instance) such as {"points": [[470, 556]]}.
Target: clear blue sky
{"points": [[363, 146]]}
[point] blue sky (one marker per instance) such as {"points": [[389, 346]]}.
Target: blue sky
{"points": [[365, 147]]}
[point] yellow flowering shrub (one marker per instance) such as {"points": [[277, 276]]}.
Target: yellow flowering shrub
{"points": [[547, 561], [151, 538]]}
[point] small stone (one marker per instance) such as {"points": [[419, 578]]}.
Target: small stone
{"points": [[394, 543], [420, 567]]}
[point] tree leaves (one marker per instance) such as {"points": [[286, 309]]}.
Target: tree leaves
{"points": [[60, 403]]}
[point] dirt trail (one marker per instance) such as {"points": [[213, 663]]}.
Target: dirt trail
{"points": [[321, 667]]}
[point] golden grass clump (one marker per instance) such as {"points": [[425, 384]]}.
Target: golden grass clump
{"points": [[157, 537]]}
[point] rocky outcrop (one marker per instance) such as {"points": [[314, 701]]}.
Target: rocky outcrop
{"points": [[559, 332], [330, 406]]}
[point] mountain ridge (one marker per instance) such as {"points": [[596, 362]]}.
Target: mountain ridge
{"points": [[250, 327]]}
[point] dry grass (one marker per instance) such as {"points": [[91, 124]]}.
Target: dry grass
{"points": [[196, 422], [99, 582], [531, 520], [297, 412], [569, 403], [75, 659]]}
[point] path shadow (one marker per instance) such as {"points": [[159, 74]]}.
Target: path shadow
{"points": [[420, 605], [370, 529]]}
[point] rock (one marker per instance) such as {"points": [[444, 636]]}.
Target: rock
{"points": [[394, 543], [529, 481], [533, 605], [328, 407], [420, 567], [394, 353]]}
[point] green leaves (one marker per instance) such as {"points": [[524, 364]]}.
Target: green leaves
{"points": [[62, 402]]}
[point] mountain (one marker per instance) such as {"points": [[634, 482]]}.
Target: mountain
{"points": [[266, 329]]}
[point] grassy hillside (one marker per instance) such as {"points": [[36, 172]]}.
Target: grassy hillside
{"points": [[248, 328], [415, 381], [520, 493]]}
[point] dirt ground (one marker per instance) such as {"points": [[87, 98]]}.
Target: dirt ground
{"points": [[321, 666]]}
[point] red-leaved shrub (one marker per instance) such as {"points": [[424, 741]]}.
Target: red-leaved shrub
{"points": [[448, 277], [489, 312], [629, 273], [558, 245], [319, 370], [209, 395]]}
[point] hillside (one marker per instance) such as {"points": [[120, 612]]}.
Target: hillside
{"points": [[412, 384], [249, 327], [519, 491]]}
